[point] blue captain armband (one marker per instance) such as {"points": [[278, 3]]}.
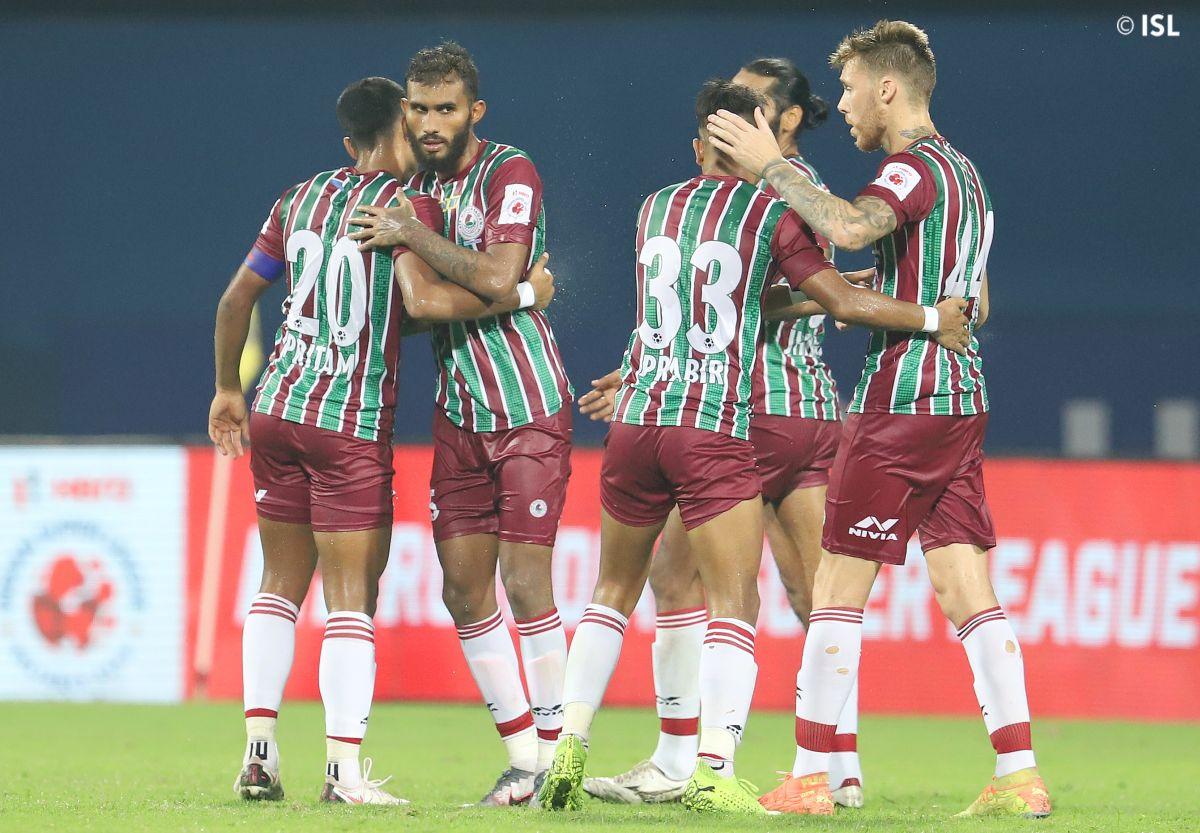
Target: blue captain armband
{"points": [[263, 265]]}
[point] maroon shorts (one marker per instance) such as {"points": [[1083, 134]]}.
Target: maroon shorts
{"points": [[309, 475], [647, 469], [793, 453], [897, 474], [509, 483]]}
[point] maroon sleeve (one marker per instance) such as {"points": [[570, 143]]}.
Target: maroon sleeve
{"points": [[266, 257], [906, 184], [797, 254], [428, 212], [514, 201]]}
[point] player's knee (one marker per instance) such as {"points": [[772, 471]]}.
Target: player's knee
{"points": [[528, 595], [675, 592], [465, 600]]}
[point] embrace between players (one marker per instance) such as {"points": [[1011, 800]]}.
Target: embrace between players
{"points": [[725, 422]]}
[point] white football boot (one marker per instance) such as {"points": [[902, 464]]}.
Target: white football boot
{"points": [[644, 784], [365, 792], [259, 778]]}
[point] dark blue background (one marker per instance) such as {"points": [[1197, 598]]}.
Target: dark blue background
{"points": [[142, 156]]}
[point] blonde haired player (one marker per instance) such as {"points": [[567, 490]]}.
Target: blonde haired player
{"points": [[911, 455]]}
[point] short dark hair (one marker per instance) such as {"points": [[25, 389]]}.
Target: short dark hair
{"points": [[790, 89], [368, 108], [719, 94], [435, 64]]}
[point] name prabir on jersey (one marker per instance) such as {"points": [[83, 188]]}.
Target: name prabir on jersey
{"points": [[670, 369]]}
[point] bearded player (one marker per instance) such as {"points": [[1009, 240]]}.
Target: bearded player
{"points": [[322, 422], [707, 251], [502, 429], [795, 429], [911, 457]]}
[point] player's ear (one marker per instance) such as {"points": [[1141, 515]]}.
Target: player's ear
{"points": [[791, 118], [349, 146], [477, 111], [698, 147], [887, 89]]}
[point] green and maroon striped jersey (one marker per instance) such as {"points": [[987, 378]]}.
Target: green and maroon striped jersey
{"points": [[505, 371], [707, 249], [337, 353], [791, 377], [940, 247]]}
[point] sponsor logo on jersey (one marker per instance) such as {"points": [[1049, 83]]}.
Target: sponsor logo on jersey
{"points": [[470, 223], [517, 206], [899, 178], [875, 529], [538, 508]]}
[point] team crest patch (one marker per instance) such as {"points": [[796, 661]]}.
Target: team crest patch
{"points": [[538, 508], [518, 204], [898, 178], [470, 223]]}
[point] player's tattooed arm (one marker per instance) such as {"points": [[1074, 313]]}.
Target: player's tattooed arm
{"points": [[492, 274], [848, 225], [868, 308], [428, 298], [228, 419]]}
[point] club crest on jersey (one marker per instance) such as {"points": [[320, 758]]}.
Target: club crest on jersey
{"points": [[898, 178], [470, 223], [538, 508]]}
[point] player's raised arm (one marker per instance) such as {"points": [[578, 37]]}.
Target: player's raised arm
{"points": [[849, 225]]}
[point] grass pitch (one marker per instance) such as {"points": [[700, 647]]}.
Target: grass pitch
{"points": [[144, 768]]}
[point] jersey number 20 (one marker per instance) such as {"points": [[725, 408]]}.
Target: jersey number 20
{"points": [[344, 258], [716, 294]]}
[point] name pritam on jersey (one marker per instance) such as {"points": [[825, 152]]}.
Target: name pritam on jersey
{"points": [[670, 369], [320, 359]]}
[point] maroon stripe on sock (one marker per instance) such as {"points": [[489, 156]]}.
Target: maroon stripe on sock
{"points": [[713, 640], [342, 630], [355, 741], [845, 743], [732, 628], [517, 724], [606, 621], [682, 623], [287, 616], [975, 616], [1014, 737], [815, 737], [480, 628], [261, 713], [592, 613], [851, 610], [546, 628], [267, 607], [835, 617], [680, 726], [548, 734], [979, 623]]}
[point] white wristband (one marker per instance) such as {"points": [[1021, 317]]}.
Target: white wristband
{"points": [[932, 320], [529, 298]]}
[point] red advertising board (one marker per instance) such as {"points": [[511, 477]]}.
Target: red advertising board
{"points": [[1098, 566]]}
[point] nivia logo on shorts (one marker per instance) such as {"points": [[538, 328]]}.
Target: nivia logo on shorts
{"points": [[875, 529]]}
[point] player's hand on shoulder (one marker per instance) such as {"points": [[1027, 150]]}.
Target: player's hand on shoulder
{"points": [[600, 402], [229, 422], [381, 228], [952, 330], [542, 281]]}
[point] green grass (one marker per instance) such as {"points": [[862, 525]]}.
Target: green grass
{"points": [[135, 768]]}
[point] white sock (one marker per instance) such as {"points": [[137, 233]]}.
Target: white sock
{"points": [[995, 657], [827, 674], [678, 635], [268, 645], [595, 649], [843, 762], [727, 676], [490, 655], [347, 681], [544, 657], [341, 762]]}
